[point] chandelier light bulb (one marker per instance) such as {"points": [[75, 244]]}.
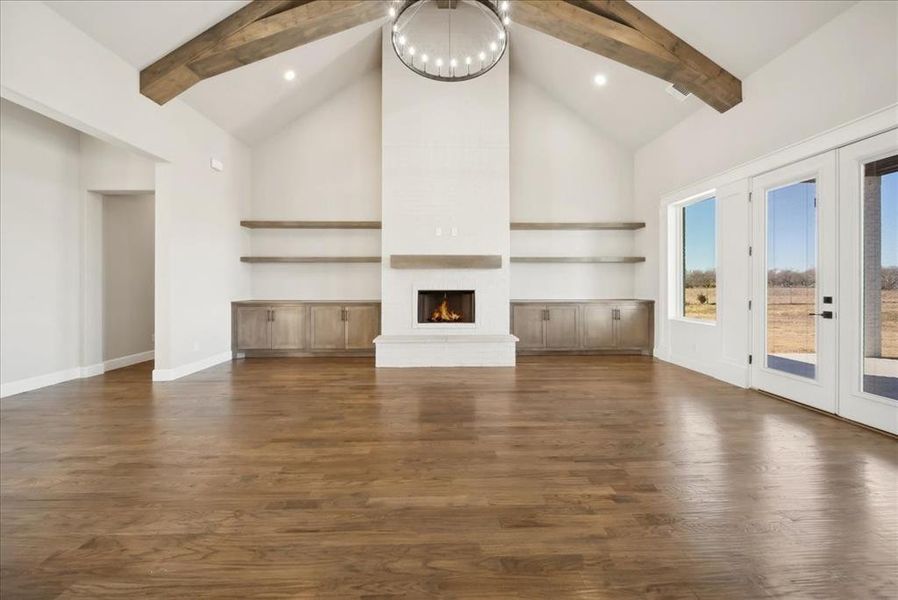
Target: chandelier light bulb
{"points": [[424, 58], [501, 35], [395, 28], [600, 79], [289, 75], [494, 46], [467, 60], [482, 56], [392, 12], [506, 20], [453, 63], [504, 6], [439, 62], [401, 40]]}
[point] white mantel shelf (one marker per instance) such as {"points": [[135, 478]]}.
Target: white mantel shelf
{"points": [[577, 259]]}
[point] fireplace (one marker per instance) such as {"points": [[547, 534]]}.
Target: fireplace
{"points": [[446, 306]]}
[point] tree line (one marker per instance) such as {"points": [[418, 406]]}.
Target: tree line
{"points": [[786, 278]]}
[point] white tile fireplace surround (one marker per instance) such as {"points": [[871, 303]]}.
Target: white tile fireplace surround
{"points": [[445, 192]]}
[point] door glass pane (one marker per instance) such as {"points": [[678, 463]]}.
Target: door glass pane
{"points": [[880, 250], [792, 279]]}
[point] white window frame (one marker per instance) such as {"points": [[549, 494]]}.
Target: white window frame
{"points": [[675, 256]]}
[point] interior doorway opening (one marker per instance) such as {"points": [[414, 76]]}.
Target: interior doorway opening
{"points": [[128, 260]]}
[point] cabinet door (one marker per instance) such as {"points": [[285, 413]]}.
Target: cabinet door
{"points": [[529, 325], [327, 328], [633, 326], [562, 326], [288, 328], [362, 326], [598, 326], [253, 328]]}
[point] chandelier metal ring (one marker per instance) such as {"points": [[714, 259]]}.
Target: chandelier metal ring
{"points": [[430, 43]]}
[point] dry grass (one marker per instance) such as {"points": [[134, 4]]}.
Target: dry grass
{"points": [[791, 329], [696, 310]]}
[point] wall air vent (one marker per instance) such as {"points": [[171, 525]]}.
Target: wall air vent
{"points": [[678, 91]]}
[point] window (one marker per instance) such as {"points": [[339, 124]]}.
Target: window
{"points": [[699, 265]]}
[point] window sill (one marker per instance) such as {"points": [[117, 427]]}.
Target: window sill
{"points": [[694, 321]]}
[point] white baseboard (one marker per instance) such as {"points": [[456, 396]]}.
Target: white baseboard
{"points": [[92, 370], [127, 361], [184, 370], [32, 383], [725, 371]]}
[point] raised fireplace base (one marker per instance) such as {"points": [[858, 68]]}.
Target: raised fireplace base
{"points": [[458, 350]]}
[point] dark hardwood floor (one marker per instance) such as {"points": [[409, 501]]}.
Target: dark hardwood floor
{"points": [[568, 477]]}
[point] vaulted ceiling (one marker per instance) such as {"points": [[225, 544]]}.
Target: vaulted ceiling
{"points": [[254, 101]]}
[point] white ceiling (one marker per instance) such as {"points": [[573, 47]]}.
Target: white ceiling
{"points": [[142, 31], [742, 36], [254, 101]]}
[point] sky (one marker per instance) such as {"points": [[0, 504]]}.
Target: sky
{"points": [[792, 228], [791, 240], [890, 220], [699, 241]]}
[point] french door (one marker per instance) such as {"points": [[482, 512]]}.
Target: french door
{"points": [[825, 281], [795, 284], [868, 323]]}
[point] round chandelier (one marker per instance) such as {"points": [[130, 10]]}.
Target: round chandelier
{"points": [[450, 40]]}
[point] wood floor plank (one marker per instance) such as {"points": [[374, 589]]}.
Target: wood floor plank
{"points": [[566, 477]]}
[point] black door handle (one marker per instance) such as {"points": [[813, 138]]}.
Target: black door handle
{"points": [[826, 314]]}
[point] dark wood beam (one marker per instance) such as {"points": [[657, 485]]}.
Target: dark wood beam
{"points": [[261, 29], [618, 30]]}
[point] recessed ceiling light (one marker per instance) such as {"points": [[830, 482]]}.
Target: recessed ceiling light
{"points": [[289, 75], [600, 79]]}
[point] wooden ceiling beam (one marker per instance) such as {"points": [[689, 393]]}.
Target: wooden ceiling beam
{"points": [[618, 30], [261, 29]]}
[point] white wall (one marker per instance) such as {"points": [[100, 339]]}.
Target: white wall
{"points": [[845, 70], [49, 65], [39, 250], [106, 168], [127, 275], [323, 166], [564, 169]]}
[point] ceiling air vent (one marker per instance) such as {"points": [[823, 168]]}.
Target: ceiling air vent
{"points": [[678, 91]]}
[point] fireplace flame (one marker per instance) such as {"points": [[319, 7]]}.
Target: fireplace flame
{"points": [[443, 313]]}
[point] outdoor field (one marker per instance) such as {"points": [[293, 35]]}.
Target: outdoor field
{"points": [[792, 329]]}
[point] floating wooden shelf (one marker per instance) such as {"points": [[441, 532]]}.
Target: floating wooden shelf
{"points": [[446, 261], [311, 224], [578, 259], [310, 259], [623, 226]]}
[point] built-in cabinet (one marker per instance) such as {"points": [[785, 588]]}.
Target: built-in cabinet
{"points": [[272, 328], [624, 326], [263, 328]]}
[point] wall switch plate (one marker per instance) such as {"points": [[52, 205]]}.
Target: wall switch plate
{"points": [[216, 164], [454, 231], [439, 231]]}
